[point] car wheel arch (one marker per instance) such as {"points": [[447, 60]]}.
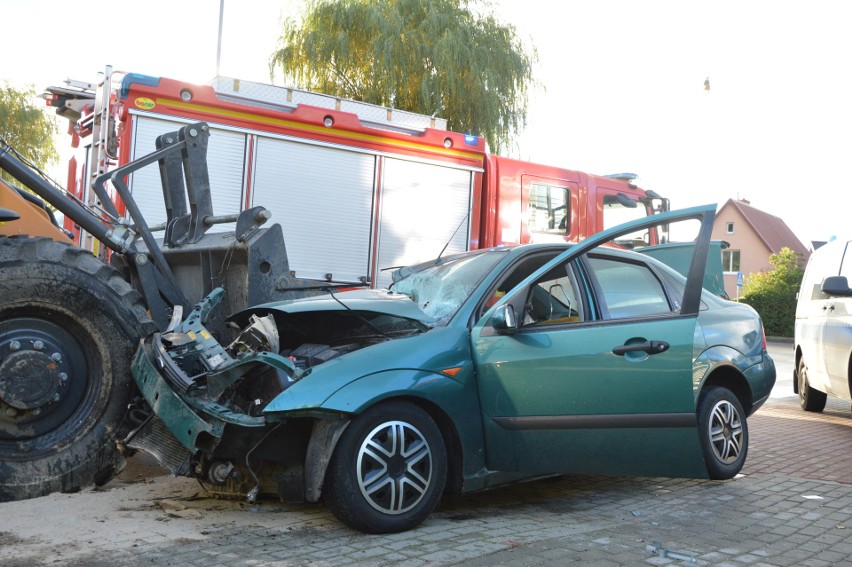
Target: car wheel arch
{"points": [[849, 374], [729, 377], [797, 357], [452, 440], [326, 434], [449, 432]]}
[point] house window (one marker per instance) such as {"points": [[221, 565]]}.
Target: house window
{"points": [[731, 260], [548, 210], [730, 229]]}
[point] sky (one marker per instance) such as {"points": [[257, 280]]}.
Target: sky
{"points": [[620, 85]]}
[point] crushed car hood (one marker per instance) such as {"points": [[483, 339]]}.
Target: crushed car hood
{"points": [[362, 300]]}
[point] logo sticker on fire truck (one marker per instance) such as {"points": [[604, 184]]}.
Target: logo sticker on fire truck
{"points": [[144, 103]]}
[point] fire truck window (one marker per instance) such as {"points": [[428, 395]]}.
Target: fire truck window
{"points": [[548, 209], [621, 209]]}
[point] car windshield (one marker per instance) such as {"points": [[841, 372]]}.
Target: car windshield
{"points": [[441, 289]]}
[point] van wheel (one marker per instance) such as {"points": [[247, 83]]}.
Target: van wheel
{"points": [[388, 471], [724, 432], [811, 400]]}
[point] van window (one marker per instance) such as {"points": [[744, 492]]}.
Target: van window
{"points": [[846, 264]]}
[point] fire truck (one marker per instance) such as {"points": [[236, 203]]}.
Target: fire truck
{"points": [[357, 188], [353, 190]]}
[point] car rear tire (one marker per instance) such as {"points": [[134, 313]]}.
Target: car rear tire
{"points": [[724, 432], [810, 399], [388, 470]]}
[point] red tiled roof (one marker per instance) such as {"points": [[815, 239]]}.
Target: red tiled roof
{"points": [[773, 231]]}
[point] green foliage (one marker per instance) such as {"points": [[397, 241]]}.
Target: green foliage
{"points": [[428, 56], [26, 127], [773, 293]]}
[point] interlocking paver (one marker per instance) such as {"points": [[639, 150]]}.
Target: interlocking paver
{"points": [[767, 517]]}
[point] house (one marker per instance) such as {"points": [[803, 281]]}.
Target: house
{"points": [[754, 235]]}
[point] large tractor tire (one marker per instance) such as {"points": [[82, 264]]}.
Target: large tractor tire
{"points": [[69, 325]]}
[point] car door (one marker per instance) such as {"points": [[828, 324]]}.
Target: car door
{"points": [[602, 387]]}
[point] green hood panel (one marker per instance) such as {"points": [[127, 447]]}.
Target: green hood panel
{"points": [[361, 300], [423, 356]]}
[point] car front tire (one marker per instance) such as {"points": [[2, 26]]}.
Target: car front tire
{"points": [[388, 471], [724, 432]]}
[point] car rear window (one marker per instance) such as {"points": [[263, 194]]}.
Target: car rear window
{"points": [[629, 289]]}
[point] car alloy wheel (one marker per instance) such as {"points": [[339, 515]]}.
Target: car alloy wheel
{"points": [[388, 470], [394, 467], [726, 432]]}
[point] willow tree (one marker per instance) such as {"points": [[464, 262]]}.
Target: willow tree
{"points": [[26, 126], [450, 58]]}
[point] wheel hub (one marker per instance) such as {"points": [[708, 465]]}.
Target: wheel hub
{"points": [[29, 379], [396, 467], [43, 377]]}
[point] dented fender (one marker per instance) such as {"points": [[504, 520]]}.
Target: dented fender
{"points": [[433, 369], [451, 401], [431, 353]]}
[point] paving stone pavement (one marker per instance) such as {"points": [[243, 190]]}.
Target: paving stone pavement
{"points": [[791, 506]]}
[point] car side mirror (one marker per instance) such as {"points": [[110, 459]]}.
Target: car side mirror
{"points": [[504, 320], [836, 285]]}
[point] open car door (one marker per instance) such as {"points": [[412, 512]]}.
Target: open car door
{"points": [[586, 366]]}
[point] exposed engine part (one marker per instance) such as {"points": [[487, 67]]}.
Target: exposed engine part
{"points": [[251, 497], [219, 472], [260, 335], [155, 439], [309, 355], [252, 494], [260, 386], [138, 411]]}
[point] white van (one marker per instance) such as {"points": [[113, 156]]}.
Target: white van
{"points": [[824, 327]]}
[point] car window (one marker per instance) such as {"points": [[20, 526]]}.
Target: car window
{"points": [[440, 289], [517, 273], [553, 300], [628, 289]]}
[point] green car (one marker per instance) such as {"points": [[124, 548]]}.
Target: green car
{"points": [[473, 370]]}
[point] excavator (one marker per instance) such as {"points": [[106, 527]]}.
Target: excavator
{"points": [[70, 321]]}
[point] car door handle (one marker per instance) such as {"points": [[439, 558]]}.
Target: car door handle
{"points": [[650, 347]]}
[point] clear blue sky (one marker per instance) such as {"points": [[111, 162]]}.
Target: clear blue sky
{"points": [[622, 84]]}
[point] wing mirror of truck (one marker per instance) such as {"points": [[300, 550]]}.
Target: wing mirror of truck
{"points": [[836, 285], [504, 321]]}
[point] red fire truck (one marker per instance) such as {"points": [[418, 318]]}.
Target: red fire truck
{"points": [[357, 188]]}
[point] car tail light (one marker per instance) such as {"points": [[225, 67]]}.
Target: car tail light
{"points": [[763, 335]]}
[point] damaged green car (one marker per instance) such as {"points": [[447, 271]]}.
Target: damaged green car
{"points": [[473, 370]]}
